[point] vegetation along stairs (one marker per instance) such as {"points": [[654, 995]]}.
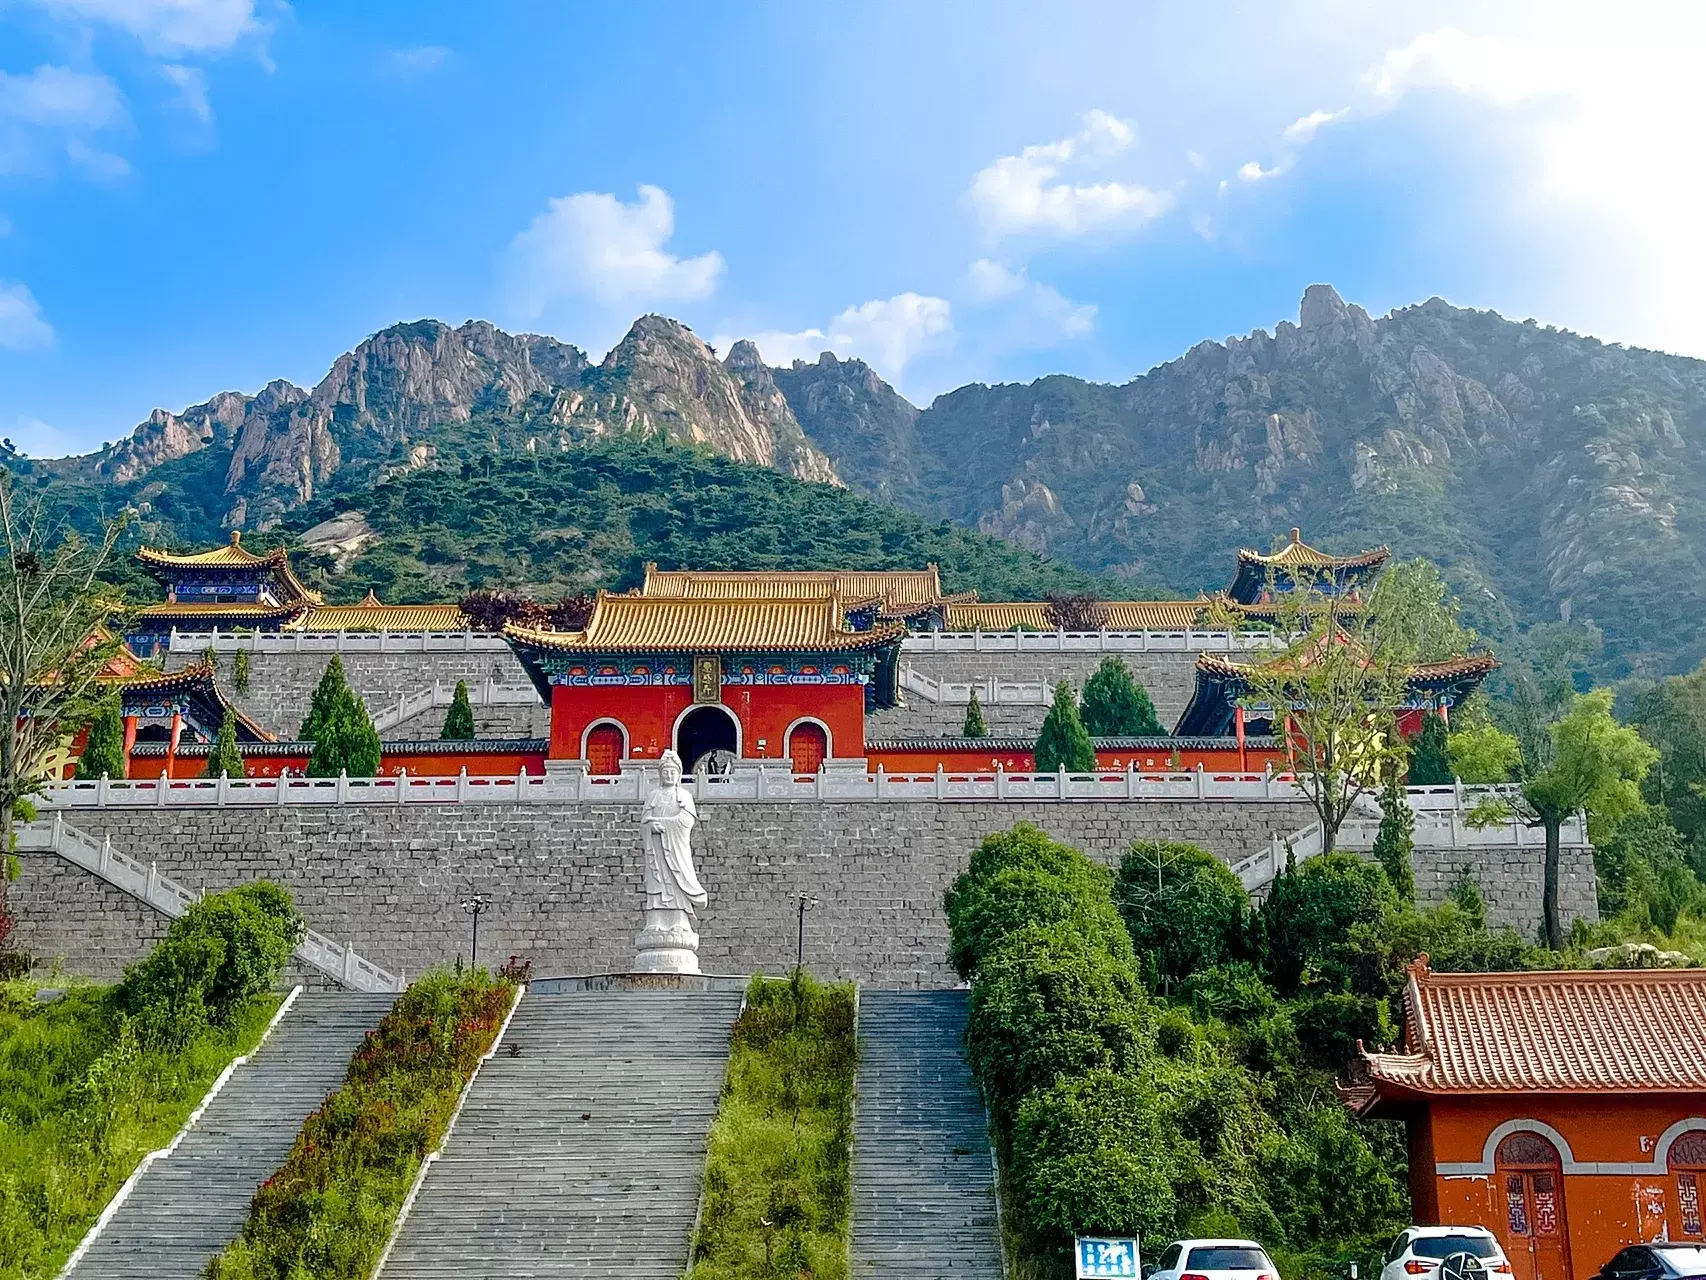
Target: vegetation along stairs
{"points": [[924, 1205], [186, 1206], [580, 1144]]}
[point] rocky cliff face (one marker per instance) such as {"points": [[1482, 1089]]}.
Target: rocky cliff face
{"points": [[1555, 476], [858, 419]]}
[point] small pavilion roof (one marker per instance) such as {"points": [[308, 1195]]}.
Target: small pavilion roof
{"points": [[198, 678], [1561, 1031], [233, 556], [1294, 558], [652, 624], [895, 587]]}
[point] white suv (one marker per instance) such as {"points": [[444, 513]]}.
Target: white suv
{"points": [[1419, 1251], [1214, 1260]]}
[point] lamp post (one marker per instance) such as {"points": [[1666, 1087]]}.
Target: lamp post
{"points": [[473, 904], [807, 902]]}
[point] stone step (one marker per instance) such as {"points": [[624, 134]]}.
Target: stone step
{"points": [[191, 1204], [582, 1157], [923, 1184]]}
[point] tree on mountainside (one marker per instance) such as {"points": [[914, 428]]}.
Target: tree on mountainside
{"points": [[974, 726], [103, 749], [1430, 754], [1063, 742], [342, 732], [459, 720], [52, 651], [225, 760], [1116, 706]]}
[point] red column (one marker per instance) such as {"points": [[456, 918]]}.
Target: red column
{"points": [[1238, 732], [129, 742], [172, 746]]}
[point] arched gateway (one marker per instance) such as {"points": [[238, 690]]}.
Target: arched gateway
{"points": [[703, 730]]}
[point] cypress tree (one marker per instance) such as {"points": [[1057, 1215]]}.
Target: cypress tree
{"points": [[459, 720], [1063, 742], [103, 749], [341, 730], [325, 701], [225, 758], [974, 726], [1116, 706], [1395, 841], [1430, 759]]}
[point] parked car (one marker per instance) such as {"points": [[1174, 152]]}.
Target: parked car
{"points": [[1660, 1260], [1214, 1260], [1420, 1251]]}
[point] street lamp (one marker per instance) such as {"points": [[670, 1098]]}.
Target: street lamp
{"points": [[807, 902], [473, 905]]}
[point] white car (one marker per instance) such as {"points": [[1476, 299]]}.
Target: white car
{"points": [[1419, 1251], [1214, 1260]]}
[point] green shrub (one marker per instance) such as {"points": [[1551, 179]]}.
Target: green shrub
{"points": [[215, 958], [341, 730], [1311, 909], [778, 1175], [1430, 754], [1395, 842], [225, 759], [988, 910], [459, 720], [1116, 706], [329, 1209], [1329, 1184], [1025, 845], [973, 725], [1050, 1002], [1330, 1024], [1236, 993], [1182, 905]]}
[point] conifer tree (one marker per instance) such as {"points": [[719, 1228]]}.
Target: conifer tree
{"points": [[103, 749], [1063, 742], [225, 758], [1430, 756], [342, 732], [1116, 706], [974, 726], [459, 720], [1395, 841]]}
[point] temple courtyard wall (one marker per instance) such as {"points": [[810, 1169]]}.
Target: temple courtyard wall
{"points": [[565, 880]]}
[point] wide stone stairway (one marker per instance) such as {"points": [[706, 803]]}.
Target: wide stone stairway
{"points": [[191, 1204], [580, 1147], [923, 1185]]}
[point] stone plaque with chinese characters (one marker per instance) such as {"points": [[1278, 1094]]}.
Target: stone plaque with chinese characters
{"points": [[707, 678]]}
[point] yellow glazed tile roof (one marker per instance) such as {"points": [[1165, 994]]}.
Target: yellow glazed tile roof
{"points": [[239, 611], [893, 586], [628, 623], [382, 617], [1298, 554], [231, 556], [1033, 615]]}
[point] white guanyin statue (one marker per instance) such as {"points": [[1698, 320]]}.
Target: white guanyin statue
{"points": [[668, 942]]}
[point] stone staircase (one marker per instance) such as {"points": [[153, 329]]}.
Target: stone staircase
{"points": [[924, 1203], [188, 1205], [581, 1156]]}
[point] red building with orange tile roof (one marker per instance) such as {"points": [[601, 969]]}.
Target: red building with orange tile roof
{"points": [[1564, 1110]]}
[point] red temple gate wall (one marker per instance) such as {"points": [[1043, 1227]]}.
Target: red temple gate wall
{"points": [[648, 716]]}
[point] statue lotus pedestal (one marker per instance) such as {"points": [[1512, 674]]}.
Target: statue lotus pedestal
{"points": [[668, 943]]}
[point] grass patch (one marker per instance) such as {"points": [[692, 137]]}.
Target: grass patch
{"points": [[778, 1181], [82, 1100], [330, 1208]]}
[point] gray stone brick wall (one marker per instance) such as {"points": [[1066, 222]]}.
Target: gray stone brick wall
{"points": [[565, 880], [1169, 677], [282, 684], [515, 721]]}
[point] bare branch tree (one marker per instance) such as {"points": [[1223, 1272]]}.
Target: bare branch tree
{"points": [[51, 651]]}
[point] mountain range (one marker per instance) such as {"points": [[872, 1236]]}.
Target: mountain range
{"points": [[1559, 480]]}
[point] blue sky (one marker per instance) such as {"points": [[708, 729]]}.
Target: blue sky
{"points": [[199, 195]]}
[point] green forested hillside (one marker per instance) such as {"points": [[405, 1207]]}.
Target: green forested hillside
{"points": [[592, 516]]}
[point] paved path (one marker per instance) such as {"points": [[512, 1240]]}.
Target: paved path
{"points": [[923, 1186], [582, 1156], [190, 1205]]}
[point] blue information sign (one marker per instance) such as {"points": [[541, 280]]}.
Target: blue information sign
{"points": [[1100, 1258]]}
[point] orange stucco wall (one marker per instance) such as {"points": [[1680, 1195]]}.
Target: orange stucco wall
{"points": [[648, 714], [1604, 1209], [479, 764]]}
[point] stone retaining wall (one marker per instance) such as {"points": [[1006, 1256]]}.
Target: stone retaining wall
{"points": [[1169, 677], [566, 888]]}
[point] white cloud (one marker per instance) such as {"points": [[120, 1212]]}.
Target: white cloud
{"points": [[1303, 128], [60, 98], [192, 90], [890, 332], [1251, 171], [1028, 192], [169, 27], [592, 245], [102, 166], [779, 347], [421, 59], [22, 326], [1032, 314]]}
